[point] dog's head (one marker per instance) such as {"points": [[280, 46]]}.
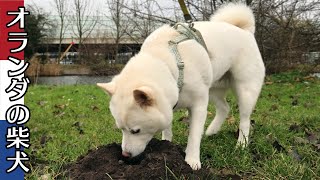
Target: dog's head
{"points": [[139, 113]]}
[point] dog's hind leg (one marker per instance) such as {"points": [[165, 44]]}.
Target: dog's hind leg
{"points": [[167, 133], [222, 110], [247, 95]]}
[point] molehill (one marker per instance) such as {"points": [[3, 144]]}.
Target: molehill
{"points": [[161, 160]]}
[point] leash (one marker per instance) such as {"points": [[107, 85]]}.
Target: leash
{"points": [[185, 11]]}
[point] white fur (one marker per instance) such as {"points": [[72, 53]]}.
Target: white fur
{"points": [[239, 15], [233, 61]]}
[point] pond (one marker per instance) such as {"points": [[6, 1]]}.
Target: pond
{"points": [[72, 80]]}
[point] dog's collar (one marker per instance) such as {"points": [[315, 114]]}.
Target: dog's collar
{"points": [[185, 33]]}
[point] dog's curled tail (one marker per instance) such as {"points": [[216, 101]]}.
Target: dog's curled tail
{"points": [[238, 15]]}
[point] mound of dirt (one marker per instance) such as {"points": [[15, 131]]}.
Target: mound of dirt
{"points": [[161, 160]]}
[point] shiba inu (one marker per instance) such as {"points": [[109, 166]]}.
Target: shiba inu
{"points": [[144, 94]]}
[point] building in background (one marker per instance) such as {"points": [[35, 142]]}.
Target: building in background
{"points": [[101, 40]]}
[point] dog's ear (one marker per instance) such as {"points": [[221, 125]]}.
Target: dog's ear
{"points": [[144, 96], [108, 87]]}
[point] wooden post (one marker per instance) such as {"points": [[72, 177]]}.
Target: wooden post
{"points": [[65, 52]]}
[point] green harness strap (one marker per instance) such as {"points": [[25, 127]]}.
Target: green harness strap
{"points": [[185, 33]]}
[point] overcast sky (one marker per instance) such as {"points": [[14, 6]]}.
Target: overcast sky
{"points": [[49, 6], [98, 5]]}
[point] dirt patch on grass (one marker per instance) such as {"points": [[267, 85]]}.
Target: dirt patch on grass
{"points": [[161, 159]]}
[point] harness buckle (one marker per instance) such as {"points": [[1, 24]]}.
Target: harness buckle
{"points": [[180, 65], [191, 24]]}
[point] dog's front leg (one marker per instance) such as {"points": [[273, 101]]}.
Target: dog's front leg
{"points": [[197, 119], [167, 133]]}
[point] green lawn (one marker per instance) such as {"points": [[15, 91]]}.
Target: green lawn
{"points": [[67, 121]]}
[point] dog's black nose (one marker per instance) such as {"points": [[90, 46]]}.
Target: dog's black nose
{"points": [[126, 154]]}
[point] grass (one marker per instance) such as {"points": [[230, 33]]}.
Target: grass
{"points": [[67, 121]]}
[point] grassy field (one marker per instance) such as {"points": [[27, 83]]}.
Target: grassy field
{"points": [[67, 121]]}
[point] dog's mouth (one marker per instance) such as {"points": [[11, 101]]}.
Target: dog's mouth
{"points": [[136, 159], [132, 160]]}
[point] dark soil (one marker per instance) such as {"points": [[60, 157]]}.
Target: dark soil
{"points": [[161, 160]]}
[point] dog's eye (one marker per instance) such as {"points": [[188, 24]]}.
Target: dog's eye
{"points": [[134, 131]]}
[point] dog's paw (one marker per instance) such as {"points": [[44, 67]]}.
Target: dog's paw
{"points": [[167, 135], [241, 144], [211, 131], [193, 163], [213, 128], [164, 138]]}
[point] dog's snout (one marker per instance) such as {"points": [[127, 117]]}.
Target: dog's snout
{"points": [[126, 154]]}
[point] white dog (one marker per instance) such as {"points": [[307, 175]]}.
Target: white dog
{"points": [[144, 93]]}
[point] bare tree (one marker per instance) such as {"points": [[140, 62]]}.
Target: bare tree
{"points": [[61, 8], [150, 9], [286, 30], [140, 28], [202, 9], [120, 22], [85, 22], [39, 28]]}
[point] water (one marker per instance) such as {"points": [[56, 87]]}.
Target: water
{"points": [[72, 80]]}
